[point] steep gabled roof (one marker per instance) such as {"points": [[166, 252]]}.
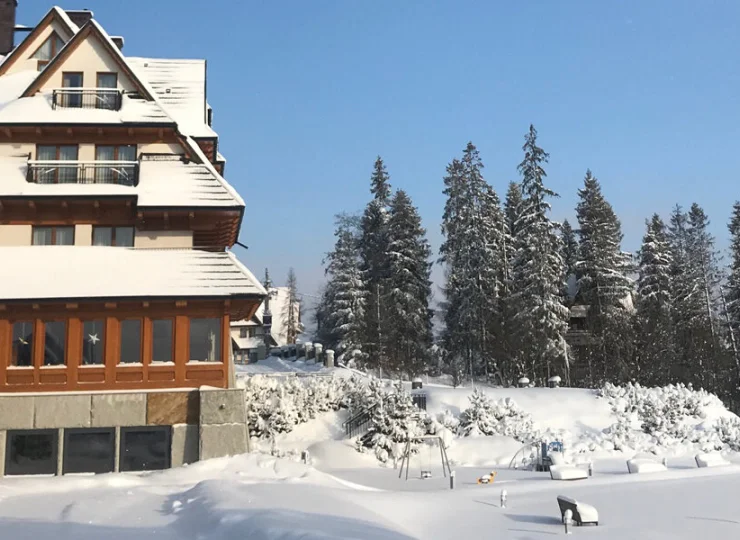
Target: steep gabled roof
{"points": [[55, 14], [91, 28]]}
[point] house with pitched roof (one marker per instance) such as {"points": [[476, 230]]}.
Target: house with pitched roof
{"points": [[117, 280]]}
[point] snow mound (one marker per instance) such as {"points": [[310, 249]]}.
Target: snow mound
{"points": [[567, 472], [643, 465], [710, 460]]}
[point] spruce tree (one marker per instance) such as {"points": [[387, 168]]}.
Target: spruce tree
{"points": [[291, 310], [537, 274], [655, 347], [409, 319], [603, 285], [733, 280], [474, 229], [373, 248], [345, 299], [570, 258]]}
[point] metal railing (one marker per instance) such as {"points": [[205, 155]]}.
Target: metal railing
{"points": [[359, 423], [124, 173], [87, 98]]}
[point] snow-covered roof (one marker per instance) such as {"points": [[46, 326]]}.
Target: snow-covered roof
{"points": [[162, 184], [180, 86], [247, 342], [278, 303], [113, 272]]}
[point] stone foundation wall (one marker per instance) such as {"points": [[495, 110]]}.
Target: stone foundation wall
{"points": [[206, 423]]}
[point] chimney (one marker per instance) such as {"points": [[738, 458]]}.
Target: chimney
{"points": [[79, 16], [118, 40], [7, 25]]}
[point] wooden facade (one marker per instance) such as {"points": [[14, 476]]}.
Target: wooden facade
{"points": [[181, 372]]}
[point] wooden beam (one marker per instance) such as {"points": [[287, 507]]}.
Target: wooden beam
{"points": [[35, 307], [100, 131], [166, 221], [181, 303], [160, 134], [39, 131], [145, 304], [110, 305], [130, 132], [2, 307], [71, 306], [70, 132], [8, 132]]}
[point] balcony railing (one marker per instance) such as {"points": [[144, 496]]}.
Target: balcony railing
{"points": [[87, 98], [124, 173]]}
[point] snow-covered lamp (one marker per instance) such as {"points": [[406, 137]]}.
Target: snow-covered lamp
{"points": [[416, 384], [554, 382], [523, 382]]}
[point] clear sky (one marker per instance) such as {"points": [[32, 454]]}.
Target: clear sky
{"points": [[646, 93]]}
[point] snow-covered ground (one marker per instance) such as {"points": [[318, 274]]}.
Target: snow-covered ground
{"points": [[345, 494]]}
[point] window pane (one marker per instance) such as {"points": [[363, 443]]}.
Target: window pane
{"points": [[22, 344], [130, 341], [162, 331], [44, 152], [31, 452], [88, 451], [127, 152], [65, 236], [125, 236], [102, 236], [205, 340], [107, 80], [105, 153], [44, 52], [145, 449], [72, 80], [243, 332], [41, 236], [58, 43], [55, 333], [93, 342], [68, 152], [68, 173]]}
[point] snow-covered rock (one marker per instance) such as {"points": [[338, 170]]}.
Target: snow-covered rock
{"points": [[567, 472], [710, 460], [644, 465]]}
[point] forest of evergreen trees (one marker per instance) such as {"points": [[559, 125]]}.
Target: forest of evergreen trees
{"points": [[670, 313]]}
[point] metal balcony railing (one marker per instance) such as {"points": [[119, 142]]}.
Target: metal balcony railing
{"points": [[124, 173], [87, 98]]}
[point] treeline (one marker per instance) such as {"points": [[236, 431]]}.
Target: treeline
{"points": [[526, 296]]}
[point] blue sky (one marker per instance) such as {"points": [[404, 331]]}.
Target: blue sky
{"points": [[307, 93]]}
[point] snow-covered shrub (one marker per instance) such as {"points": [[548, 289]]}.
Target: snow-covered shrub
{"points": [[394, 420], [277, 405], [503, 417], [728, 432]]}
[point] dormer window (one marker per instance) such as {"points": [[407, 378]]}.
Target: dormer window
{"points": [[48, 50]]}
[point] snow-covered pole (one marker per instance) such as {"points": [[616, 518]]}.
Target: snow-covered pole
{"points": [[590, 468], [568, 520], [503, 498], [452, 480], [665, 462], [305, 457], [329, 360]]}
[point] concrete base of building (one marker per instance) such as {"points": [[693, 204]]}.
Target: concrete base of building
{"points": [[204, 424]]}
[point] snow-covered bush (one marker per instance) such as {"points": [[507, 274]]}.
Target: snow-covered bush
{"points": [[394, 421], [277, 405], [503, 417], [728, 432]]}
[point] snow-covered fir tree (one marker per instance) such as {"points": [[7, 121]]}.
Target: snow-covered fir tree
{"points": [[373, 249], [408, 319], [570, 258], [345, 299], [604, 286], [655, 347], [538, 274], [291, 311], [472, 251], [733, 279]]}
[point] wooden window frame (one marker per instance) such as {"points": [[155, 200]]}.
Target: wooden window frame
{"points": [[113, 233], [99, 73], [54, 52], [222, 358], [41, 354], [142, 351], [32, 322], [82, 322], [57, 156], [150, 359], [53, 234], [80, 73]]}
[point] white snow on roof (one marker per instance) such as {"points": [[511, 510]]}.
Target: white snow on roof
{"points": [[13, 85], [180, 86], [171, 183], [248, 342], [63, 14], [114, 272], [278, 304], [38, 110], [220, 157]]}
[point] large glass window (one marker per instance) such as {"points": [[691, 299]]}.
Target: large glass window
{"points": [[205, 340], [115, 173], [93, 343], [162, 340], [88, 451], [145, 448], [107, 100], [53, 236], [31, 452], [57, 173], [55, 335], [72, 79], [113, 236], [130, 341], [48, 50], [22, 344]]}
